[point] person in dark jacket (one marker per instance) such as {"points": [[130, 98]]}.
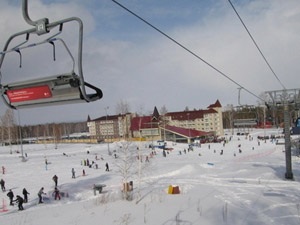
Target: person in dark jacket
{"points": [[55, 179], [25, 194], [20, 201], [10, 195], [73, 173], [2, 183]]}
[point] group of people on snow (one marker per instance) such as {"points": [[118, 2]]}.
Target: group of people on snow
{"points": [[56, 193], [86, 162], [11, 195], [20, 200]]}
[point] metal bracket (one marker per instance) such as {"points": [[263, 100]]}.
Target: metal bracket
{"points": [[41, 26]]}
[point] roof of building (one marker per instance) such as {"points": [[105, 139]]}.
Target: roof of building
{"points": [[194, 114], [143, 122], [108, 117], [191, 133], [217, 104], [190, 115], [155, 114], [147, 122]]}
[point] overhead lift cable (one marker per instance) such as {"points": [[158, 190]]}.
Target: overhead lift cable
{"points": [[186, 49], [256, 45]]}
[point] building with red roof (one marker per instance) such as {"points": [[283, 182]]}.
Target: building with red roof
{"points": [[176, 126]]}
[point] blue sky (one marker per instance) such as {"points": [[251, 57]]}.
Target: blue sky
{"points": [[132, 62]]}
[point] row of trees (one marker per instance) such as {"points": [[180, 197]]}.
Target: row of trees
{"points": [[10, 131]]}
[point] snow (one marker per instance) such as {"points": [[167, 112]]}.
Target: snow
{"points": [[248, 188]]}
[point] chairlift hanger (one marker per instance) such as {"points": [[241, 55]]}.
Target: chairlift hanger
{"points": [[57, 89]]}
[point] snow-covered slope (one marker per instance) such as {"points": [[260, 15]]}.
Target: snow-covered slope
{"points": [[229, 188]]}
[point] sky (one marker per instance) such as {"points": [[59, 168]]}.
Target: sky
{"points": [[132, 62], [246, 188]]}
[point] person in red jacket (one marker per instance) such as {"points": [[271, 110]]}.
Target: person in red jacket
{"points": [[56, 194]]}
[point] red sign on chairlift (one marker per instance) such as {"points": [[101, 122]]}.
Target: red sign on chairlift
{"points": [[29, 94]]}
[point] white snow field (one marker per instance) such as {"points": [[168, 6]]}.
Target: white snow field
{"points": [[247, 188]]}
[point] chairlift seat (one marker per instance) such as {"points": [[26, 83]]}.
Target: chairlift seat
{"points": [[53, 90]]}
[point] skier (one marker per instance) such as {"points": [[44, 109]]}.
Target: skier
{"points": [[56, 194], [3, 170], [40, 193], [55, 179], [46, 164], [73, 173], [107, 167], [10, 195], [2, 183], [20, 201], [25, 193]]}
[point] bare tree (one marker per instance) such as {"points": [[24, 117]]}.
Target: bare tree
{"points": [[56, 129], [122, 107], [228, 116], [9, 126], [163, 110], [124, 163], [2, 131]]}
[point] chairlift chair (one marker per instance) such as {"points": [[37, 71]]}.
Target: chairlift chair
{"points": [[63, 88], [54, 90]]}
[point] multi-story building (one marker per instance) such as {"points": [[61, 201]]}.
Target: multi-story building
{"points": [[185, 125], [110, 127], [207, 120]]}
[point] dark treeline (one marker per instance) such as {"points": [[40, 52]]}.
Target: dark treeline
{"points": [[10, 131]]}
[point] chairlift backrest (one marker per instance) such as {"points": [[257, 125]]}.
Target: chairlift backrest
{"points": [[57, 89]]}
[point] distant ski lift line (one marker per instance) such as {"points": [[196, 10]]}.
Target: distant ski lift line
{"points": [[57, 89], [256, 45]]}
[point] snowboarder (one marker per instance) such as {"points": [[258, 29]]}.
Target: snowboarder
{"points": [[55, 179], [10, 195], [20, 201], [25, 194], [40, 193], [56, 194], [73, 173], [107, 167], [2, 183]]}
